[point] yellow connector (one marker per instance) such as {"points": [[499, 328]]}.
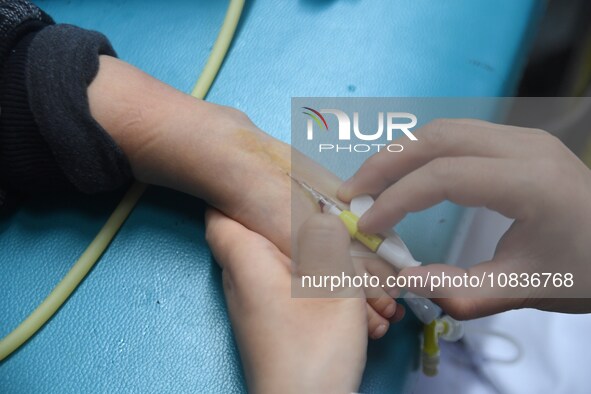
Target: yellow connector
{"points": [[350, 220], [448, 329]]}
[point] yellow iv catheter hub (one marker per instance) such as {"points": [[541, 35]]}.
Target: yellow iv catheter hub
{"points": [[384, 247], [390, 248]]}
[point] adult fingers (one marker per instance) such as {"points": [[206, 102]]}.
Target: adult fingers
{"points": [[323, 251], [440, 138], [241, 253], [498, 184], [466, 294]]}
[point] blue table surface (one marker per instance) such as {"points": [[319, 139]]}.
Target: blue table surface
{"points": [[151, 317]]}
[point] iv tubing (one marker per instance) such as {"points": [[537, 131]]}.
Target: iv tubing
{"points": [[97, 247], [219, 50]]}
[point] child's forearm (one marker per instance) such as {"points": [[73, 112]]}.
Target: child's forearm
{"points": [[210, 151]]}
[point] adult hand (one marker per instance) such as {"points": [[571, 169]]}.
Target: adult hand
{"points": [[525, 174], [291, 345]]}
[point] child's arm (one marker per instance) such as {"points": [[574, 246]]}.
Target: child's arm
{"points": [[75, 117], [207, 150]]}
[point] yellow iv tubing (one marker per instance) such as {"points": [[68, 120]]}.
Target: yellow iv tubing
{"points": [[93, 252]]}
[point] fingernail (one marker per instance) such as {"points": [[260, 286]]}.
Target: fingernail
{"points": [[345, 189], [364, 220], [389, 311], [380, 331], [399, 315]]}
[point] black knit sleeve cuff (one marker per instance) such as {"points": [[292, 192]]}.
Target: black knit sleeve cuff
{"points": [[62, 61], [27, 165]]}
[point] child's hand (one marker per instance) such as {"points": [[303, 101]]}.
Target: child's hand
{"points": [[291, 345], [524, 174], [215, 153]]}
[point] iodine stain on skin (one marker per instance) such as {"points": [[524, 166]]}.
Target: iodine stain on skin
{"points": [[279, 155], [265, 147]]}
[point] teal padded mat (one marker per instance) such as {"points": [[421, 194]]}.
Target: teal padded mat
{"points": [[150, 317]]}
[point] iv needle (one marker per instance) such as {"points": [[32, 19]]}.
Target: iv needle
{"points": [[319, 197]]}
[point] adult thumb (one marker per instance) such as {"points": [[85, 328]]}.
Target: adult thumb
{"points": [[322, 263], [463, 294]]}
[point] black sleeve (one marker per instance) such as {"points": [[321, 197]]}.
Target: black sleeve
{"points": [[48, 138]]}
